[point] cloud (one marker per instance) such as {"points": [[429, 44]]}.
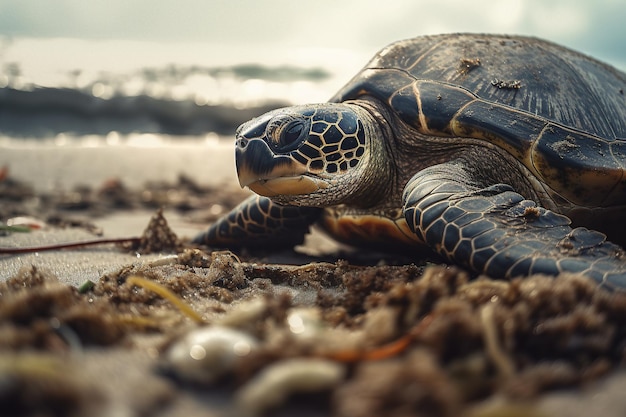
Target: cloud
{"points": [[595, 27]]}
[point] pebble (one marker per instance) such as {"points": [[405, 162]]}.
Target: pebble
{"points": [[275, 383], [206, 354]]}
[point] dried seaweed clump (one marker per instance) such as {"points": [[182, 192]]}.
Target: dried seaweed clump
{"points": [[158, 237]]}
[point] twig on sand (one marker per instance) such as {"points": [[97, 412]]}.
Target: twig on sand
{"points": [[70, 245]]}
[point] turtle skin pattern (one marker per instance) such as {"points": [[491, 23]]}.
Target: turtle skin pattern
{"points": [[496, 231], [259, 222]]}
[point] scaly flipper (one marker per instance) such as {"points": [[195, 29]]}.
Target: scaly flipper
{"points": [[259, 222], [495, 231]]}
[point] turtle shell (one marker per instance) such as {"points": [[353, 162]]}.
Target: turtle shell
{"points": [[560, 113]]}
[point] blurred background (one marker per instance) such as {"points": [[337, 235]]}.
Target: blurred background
{"points": [[118, 71]]}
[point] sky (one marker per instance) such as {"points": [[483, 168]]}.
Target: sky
{"points": [[595, 27]]}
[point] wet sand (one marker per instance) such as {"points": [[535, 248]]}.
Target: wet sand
{"points": [[336, 332]]}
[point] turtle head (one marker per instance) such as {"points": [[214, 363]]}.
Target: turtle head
{"points": [[305, 155]]}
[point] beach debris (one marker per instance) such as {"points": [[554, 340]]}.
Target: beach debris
{"points": [[384, 351], [276, 382], [156, 238], [427, 339], [305, 323], [64, 222], [67, 245], [500, 408], [506, 84], [38, 384], [5, 230], [468, 64], [116, 193], [411, 386], [164, 260], [32, 223], [39, 312], [86, 286], [226, 270], [207, 353], [245, 313], [12, 193], [503, 363], [167, 294]]}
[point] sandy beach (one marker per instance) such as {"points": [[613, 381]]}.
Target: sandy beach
{"points": [[52, 169], [477, 348]]}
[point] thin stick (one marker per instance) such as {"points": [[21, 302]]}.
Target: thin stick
{"points": [[70, 245], [388, 350]]}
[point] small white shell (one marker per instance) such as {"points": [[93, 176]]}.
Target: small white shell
{"points": [[205, 354], [276, 382], [305, 323], [244, 313]]}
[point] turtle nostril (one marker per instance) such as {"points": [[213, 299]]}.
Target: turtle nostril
{"points": [[242, 143]]}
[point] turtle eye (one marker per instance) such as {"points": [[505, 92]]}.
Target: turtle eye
{"points": [[291, 135]]}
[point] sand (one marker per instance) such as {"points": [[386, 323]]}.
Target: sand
{"points": [[334, 332]]}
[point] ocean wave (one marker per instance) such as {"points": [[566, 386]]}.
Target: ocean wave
{"points": [[84, 87], [168, 99], [282, 73], [45, 112]]}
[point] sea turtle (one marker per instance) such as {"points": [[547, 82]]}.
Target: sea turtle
{"points": [[484, 148]]}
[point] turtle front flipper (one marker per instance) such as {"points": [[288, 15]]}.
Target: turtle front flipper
{"points": [[259, 222], [495, 231]]}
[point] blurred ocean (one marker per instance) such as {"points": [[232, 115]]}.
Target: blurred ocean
{"points": [[60, 90]]}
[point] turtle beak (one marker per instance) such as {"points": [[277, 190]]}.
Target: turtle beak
{"points": [[268, 174]]}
